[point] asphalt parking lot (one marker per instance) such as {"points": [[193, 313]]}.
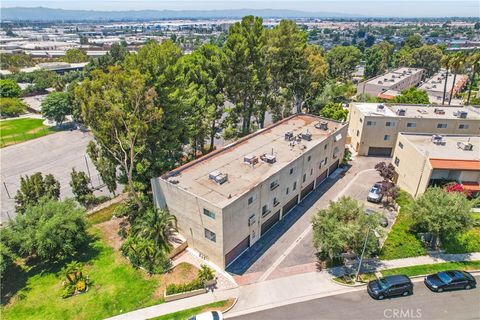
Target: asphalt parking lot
{"points": [[57, 154]]}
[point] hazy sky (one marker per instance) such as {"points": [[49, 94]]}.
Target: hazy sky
{"points": [[397, 8]]}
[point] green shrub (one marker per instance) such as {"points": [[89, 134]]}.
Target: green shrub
{"points": [[11, 107], [68, 291], [184, 287]]}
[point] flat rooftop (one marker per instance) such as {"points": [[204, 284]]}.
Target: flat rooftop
{"points": [[194, 176], [417, 111], [393, 77], [437, 82], [449, 150]]}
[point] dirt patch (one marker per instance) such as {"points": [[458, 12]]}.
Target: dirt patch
{"points": [[110, 232], [182, 273]]}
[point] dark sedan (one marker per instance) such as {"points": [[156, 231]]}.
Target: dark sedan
{"points": [[390, 286], [450, 280]]}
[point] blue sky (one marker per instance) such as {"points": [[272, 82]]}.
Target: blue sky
{"points": [[399, 8]]}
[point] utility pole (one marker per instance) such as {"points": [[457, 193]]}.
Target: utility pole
{"points": [[361, 257]]}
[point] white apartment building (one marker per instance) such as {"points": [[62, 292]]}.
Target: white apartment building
{"points": [[394, 81], [228, 199]]}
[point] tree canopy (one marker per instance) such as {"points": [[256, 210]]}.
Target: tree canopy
{"points": [[412, 96], [75, 56], [9, 89], [334, 111], [56, 106], [342, 61], [35, 187]]}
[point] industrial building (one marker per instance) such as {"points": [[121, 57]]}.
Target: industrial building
{"points": [[394, 82], [228, 199], [373, 127], [422, 160]]}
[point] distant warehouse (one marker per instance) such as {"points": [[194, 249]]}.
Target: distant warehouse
{"points": [[374, 127], [422, 160], [227, 200]]}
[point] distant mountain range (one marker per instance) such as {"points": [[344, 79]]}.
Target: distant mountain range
{"points": [[42, 14]]}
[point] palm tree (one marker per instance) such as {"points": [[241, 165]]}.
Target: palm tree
{"points": [[474, 61], [157, 226], [446, 61], [457, 65]]}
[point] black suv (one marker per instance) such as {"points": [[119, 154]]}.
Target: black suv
{"points": [[450, 280], [399, 285]]}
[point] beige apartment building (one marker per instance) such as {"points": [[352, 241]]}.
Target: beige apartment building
{"points": [[225, 201], [394, 81], [422, 160], [435, 85], [373, 127]]}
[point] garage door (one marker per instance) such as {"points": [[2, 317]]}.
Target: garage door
{"points": [[333, 167], [270, 223], [306, 191], [289, 206], [321, 177], [379, 152], [235, 252]]}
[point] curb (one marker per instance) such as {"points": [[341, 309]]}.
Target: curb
{"points": [[233, 305]]}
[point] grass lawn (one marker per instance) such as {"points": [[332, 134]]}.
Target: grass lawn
{"points": [[432, 268], [116, 288], [185, 314], [103, 215], [401, 242], [19, 130]]}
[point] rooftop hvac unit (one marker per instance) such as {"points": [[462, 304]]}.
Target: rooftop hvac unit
{"points": [[381, 107], [380, 82], [218, 177], [401, 112], [438, 111], [269, 158], [467, 146], [288, 135], [307, 136], [462, 114], [439, 140], [323, 125], [250, 159]]}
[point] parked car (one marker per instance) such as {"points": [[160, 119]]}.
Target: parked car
{"points": [[450, 280], [374, 194], [211, 315], [382, 218], [389, 286]]}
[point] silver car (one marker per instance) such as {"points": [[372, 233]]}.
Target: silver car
{"points": [[375, 195]]}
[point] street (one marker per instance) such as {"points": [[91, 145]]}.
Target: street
{"points": [[423, 304]]}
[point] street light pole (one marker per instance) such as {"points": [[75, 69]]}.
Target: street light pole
{"points": [[361, 257]]}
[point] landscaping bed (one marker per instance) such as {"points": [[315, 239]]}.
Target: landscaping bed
{"points": [[20, 130], [432, 268]]}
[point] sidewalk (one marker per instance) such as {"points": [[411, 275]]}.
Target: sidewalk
{"points": [[178, 305]]}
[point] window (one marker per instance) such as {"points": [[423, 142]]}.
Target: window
{"points": [[371, 123], [274, 184], [291, 170], [251, 220], [400, 145], [463, 126], [275, 202], [411, 125], [209, 213], [441, 126], [210, 235], [389, 124], [304, 177], [294, 185], [251, 199], [326, 160], [288, 191], [361, 120], [358, 132], [397, 161], [311, 171], [326, 146], [386, 137], [309, 158]]}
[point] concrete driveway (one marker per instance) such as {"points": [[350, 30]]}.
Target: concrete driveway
{"points": [[57, 154], [293, 246]]}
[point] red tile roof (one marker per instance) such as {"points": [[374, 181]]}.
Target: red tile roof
{"points": [[455, 164]]}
